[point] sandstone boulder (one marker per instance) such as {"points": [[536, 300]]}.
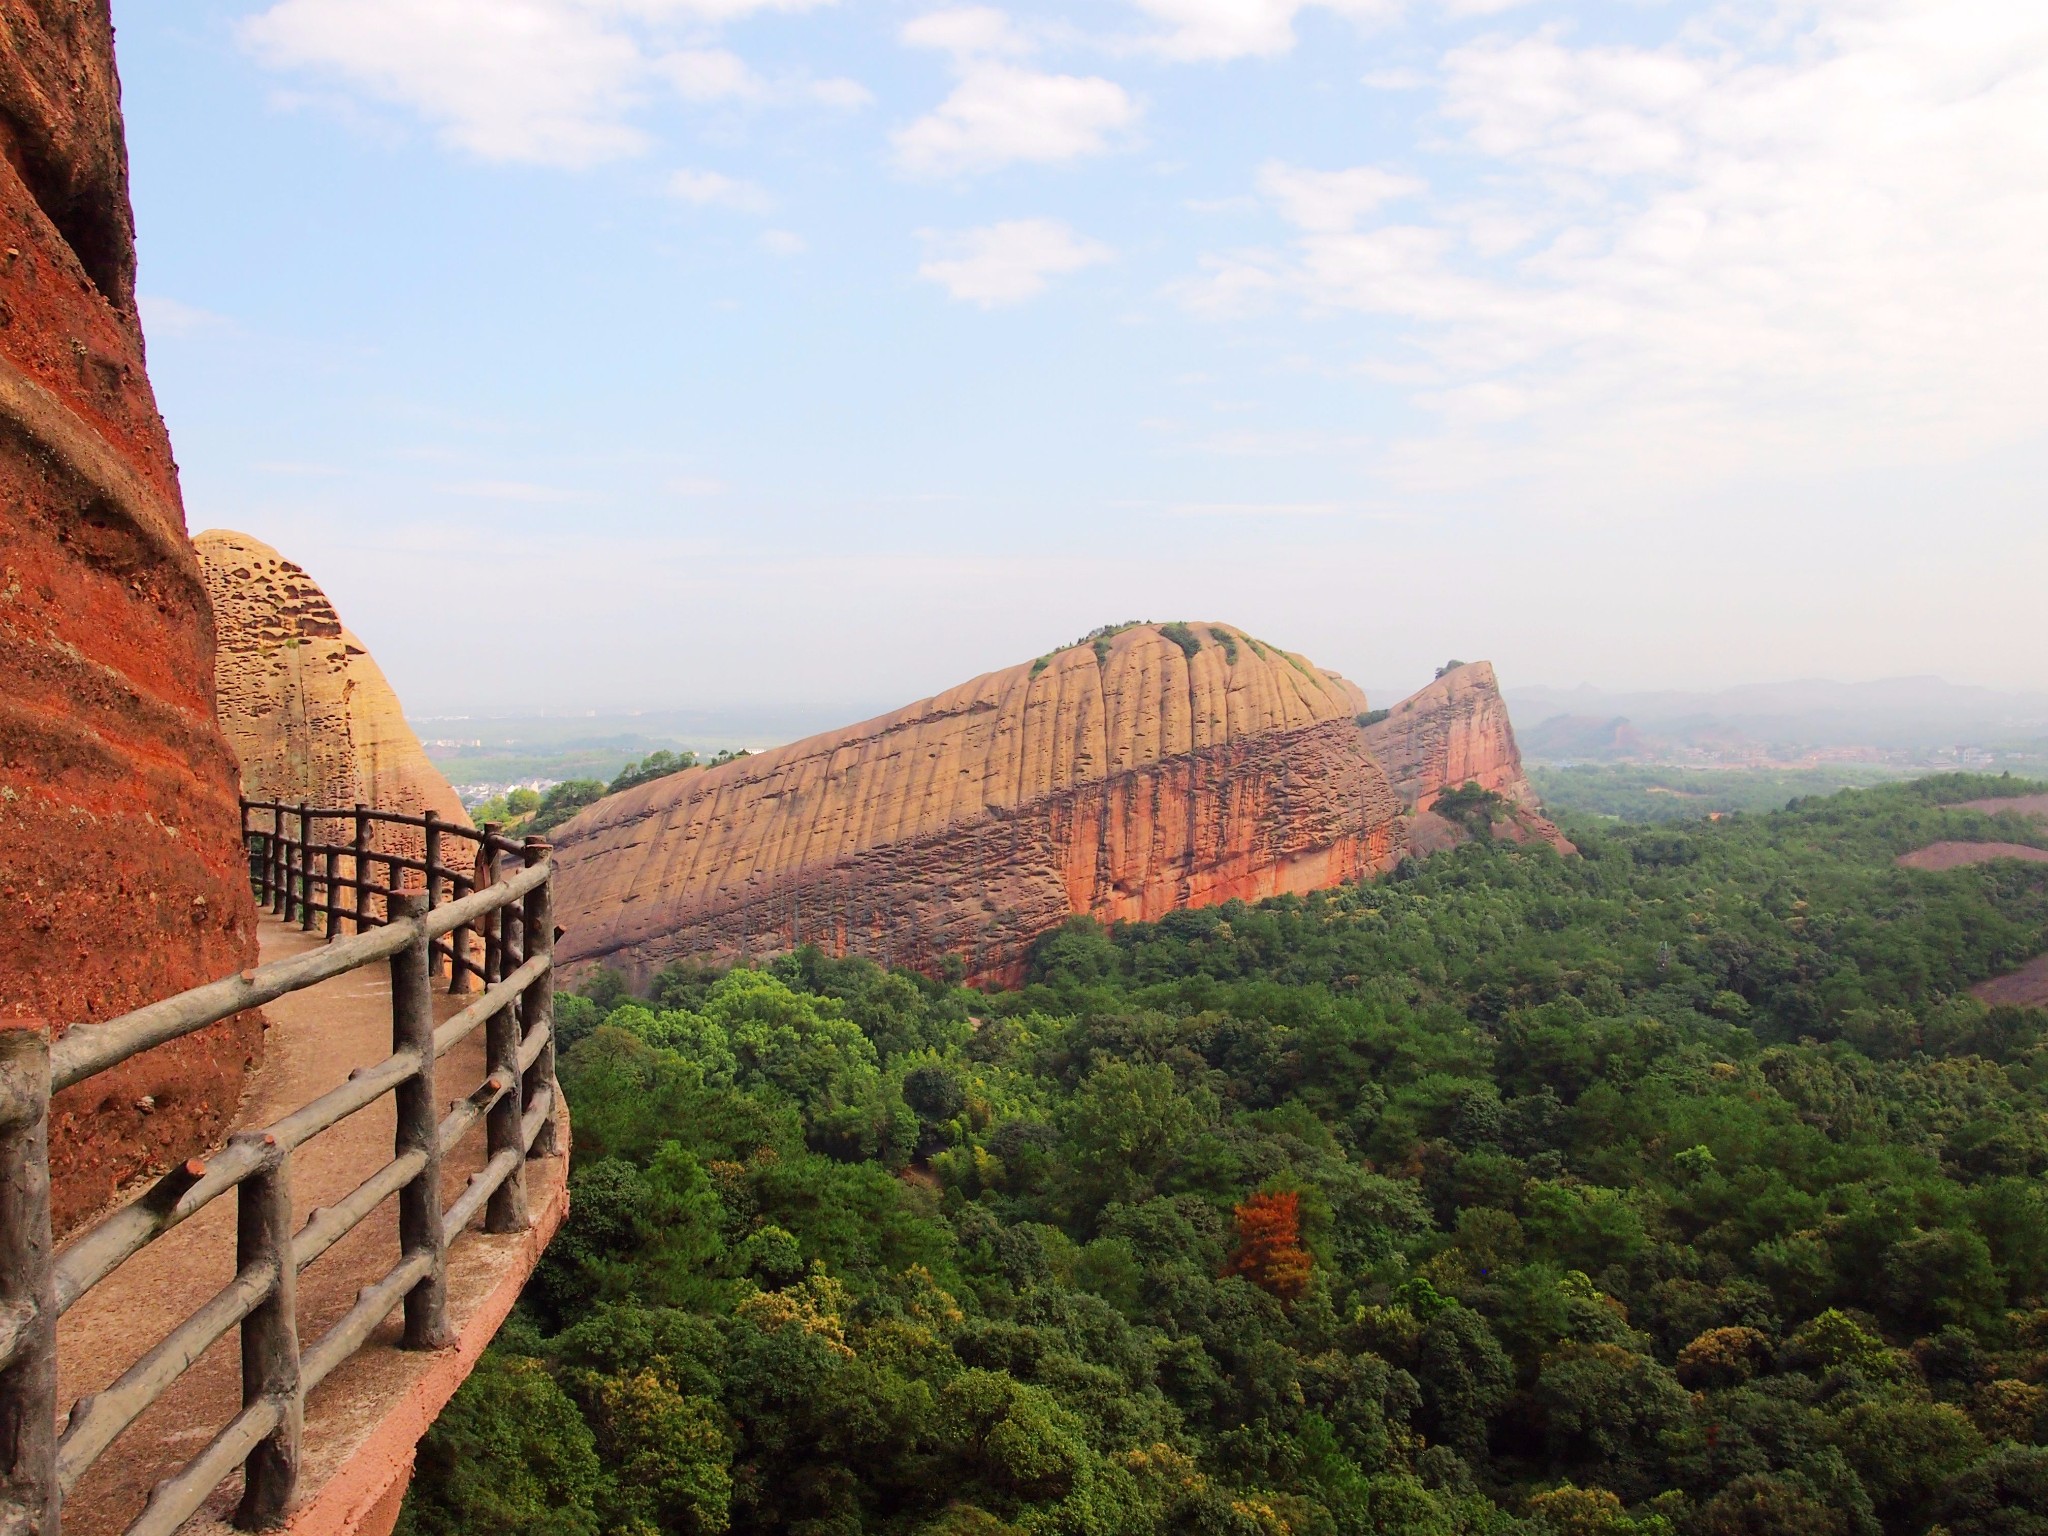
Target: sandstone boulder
{"points": [[121, 873], [1155, 768], [306, 708]]}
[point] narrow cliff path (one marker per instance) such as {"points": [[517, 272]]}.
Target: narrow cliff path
{"points": [[316, 1037]]}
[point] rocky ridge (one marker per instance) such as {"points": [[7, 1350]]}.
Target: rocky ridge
{"points": [[307, 710], [1158, 767], [1452, 733], [121, 873]]}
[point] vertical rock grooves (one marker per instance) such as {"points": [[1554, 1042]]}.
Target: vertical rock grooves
{"points": [[305, 707], [1122, 779]]}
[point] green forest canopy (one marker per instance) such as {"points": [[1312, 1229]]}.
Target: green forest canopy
{"points": [[1678, 1188]]}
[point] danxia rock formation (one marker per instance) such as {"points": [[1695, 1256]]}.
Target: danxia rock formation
{"points": [[121, 873], [304, 705], [1453, 733], [1155, 768]]}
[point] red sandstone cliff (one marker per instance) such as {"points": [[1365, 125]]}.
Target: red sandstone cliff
{"points": [[1452, 733], [121, 873], [1122, 780], [306, 709]]}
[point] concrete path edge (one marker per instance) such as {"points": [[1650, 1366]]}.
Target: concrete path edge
{"points": [[363, 1496]]}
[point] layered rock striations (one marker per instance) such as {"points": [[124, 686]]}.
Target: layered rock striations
{"points": [[1157, 768], [121, 873], [1453, 733], [304, 705]]}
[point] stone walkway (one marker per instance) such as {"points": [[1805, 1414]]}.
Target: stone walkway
{"points": [[362, 1422]]}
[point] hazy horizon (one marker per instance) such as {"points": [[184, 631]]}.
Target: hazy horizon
{"points": [[762, 351], [854, 708]]}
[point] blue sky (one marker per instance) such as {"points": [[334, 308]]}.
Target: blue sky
{"points": [[722, 351]]}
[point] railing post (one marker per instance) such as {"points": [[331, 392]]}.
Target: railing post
{"points": [[493, 922], [433, 862], [287, 868], [537, 1008], [507, 1210], [458, 939], [30, 1499], [419, 1203], [270, 1337], [305, 867], [277, 858], [249, 853], [333, 895], [362, 855]]}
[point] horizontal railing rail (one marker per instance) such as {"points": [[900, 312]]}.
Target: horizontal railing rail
{"points": [[406, 929], [301, 877]]}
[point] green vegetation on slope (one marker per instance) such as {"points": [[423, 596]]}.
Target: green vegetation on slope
{"points": [[1675, 1189], [530, 811], [1628, 793]]}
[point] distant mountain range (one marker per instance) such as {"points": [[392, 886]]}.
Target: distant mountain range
{"points": [[1905, 721]]}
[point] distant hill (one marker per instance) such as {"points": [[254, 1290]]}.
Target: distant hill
{"points": [[1906, 721]]}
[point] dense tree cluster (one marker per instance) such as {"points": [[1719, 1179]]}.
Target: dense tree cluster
{"points": [[533, 813], [1679, 1188]]}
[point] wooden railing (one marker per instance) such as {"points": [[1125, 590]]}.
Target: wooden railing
{"points": [[305, 880], [41, 1462]]}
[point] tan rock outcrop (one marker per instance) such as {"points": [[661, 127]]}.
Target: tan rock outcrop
{"points": [[307, 710], [1122, 779], [1453, 733], [121, 872]]}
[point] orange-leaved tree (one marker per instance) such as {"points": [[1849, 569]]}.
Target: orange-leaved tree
{"points": [[1269, 1251]]}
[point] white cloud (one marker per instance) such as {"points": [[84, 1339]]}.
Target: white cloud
{"points": [[1002, 112], [1216, 30], [710, 74], [1480, 7], [1815, 246], [507, 79], [783, 242], [1327, 201], [551, 82], [1009, 262], [711, 189], [968, 31]]}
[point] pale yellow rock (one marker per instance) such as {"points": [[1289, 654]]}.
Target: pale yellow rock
{"points": [[306, 708]]}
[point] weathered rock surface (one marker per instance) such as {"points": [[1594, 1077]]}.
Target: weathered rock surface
{"points": [[305, 707], [1122, 780], [1453, 733], [121, 873]]}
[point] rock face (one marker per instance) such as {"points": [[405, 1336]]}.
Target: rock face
{"points": [[307, 711], [121, 873], [1453, 733], [1122, 779]]}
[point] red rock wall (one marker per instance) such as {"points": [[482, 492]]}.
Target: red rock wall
{"points": [[121, 874], [1125, 786], [1452, 733], [1293, 812]]}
